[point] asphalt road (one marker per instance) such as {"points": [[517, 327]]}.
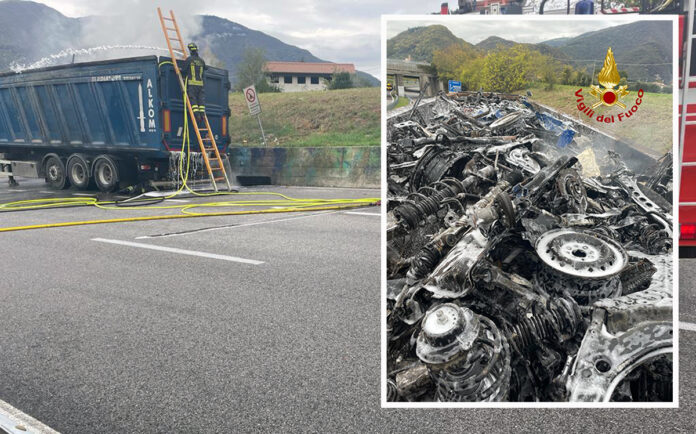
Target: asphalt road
{"points": [[104, 337]]}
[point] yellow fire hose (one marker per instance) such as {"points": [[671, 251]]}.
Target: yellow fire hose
{"points": [[282, 205], [174, 216]]}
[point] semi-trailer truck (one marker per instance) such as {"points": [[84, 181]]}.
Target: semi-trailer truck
{"points": [[109, 123]]}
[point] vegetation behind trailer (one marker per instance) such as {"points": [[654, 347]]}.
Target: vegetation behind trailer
{"points": [[113, 122]]}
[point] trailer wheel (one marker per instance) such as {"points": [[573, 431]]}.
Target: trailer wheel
{"points": [[55, 173], [105, 173], [78, 172]]}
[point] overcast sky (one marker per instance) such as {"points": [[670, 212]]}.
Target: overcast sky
{"points": [[334, 30]]}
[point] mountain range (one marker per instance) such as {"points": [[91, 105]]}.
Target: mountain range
{"points": [[30, 31], [642, 49]]}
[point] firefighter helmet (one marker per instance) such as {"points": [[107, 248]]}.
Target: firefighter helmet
{"points": [[192, 47]]}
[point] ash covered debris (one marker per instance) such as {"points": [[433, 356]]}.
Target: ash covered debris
{"points": [[528, 257]]}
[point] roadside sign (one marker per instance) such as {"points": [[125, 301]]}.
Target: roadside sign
{"points": [[252, 100], [455, 86]]}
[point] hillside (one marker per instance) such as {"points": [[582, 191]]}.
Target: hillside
{"points": [[642, 49], [349, 117], [30, 31], [556, 42], [493, 42], [419, 43], [634, 43], [229, 40]]}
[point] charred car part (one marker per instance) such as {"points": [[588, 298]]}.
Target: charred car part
{"points": [[467, 356], [526, 259]]}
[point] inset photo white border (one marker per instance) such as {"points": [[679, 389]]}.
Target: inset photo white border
{"points": [[503, 20]]}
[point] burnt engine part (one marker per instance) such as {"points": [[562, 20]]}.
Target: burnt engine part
{"points": [[627, 352], [412, 213], [466, 354], [559, 322], [522, 247]]}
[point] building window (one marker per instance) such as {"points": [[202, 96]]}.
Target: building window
{"points": [[275, 79], [301, 80], [287, 79], [314, 80]]}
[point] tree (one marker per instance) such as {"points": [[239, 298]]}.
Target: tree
{"points": [[472, 74], [549, 79], [252, 70], [567, 75], [508, 70], [582, 78], [452, 60], [341, 80]]}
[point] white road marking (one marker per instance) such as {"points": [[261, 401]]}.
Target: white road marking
{"points": [[83, 194], [180, 251], [362, 213], [233, 226], [21, 419], [687, 326], [47, 192], [12, 191], [179, 200]]}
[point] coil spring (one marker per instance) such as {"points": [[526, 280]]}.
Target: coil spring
{"points": [[392, 392], [411, 213], [478, 375], [637, 276], [562, 315], [425, 261], [654, 239]]}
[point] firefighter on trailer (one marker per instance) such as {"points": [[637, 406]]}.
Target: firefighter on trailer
{"points": [[194, 70]]}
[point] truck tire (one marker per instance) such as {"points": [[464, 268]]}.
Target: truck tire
{"points": [[55, 173], [78, 171], [105, 173]]}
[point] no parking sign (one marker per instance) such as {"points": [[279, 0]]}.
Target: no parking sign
{"points": [[252, 100]]}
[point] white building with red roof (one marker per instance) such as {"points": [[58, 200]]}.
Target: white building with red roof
{"points": [[304, 76]]}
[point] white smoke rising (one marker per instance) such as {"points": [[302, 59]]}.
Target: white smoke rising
{"points": [[116, 29], [89, 53], [138, 24]]}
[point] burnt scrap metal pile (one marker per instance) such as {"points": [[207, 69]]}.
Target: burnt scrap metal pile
{"points": [[525, 260]]}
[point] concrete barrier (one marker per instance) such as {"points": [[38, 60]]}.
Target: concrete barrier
{"points": [[318, 167]]}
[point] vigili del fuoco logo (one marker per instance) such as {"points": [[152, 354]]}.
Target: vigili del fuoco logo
{"points": [[607, 96]]}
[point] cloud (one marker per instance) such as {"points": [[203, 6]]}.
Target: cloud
{"points": [[337, 30]]}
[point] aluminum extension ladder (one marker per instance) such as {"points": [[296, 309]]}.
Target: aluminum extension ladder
{"points": [[214, 165]]}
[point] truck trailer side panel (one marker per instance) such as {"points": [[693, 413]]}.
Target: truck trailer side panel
{"points": [[101, 106]]}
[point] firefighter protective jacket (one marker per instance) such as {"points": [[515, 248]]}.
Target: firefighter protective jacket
{"points": [[193, 70]]}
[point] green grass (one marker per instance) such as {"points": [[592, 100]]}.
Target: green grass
{"points": [[349, 117], [402, 102], [649, 129]]}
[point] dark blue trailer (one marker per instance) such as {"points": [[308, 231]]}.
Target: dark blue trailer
{"points": [[115, 122]]}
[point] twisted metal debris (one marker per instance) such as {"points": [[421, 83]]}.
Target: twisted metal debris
{"points": [[529, 257]]}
